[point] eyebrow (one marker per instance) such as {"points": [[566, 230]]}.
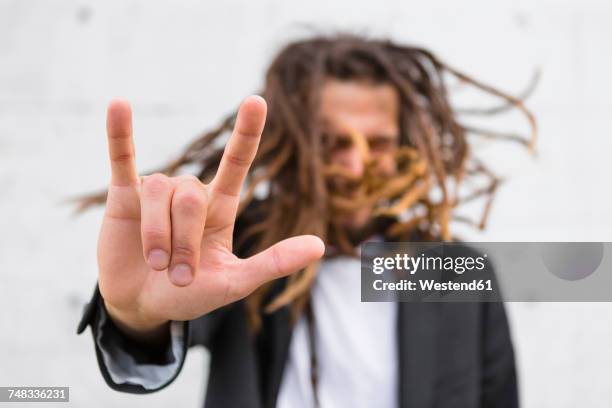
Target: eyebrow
{"points": [[377, 135]]}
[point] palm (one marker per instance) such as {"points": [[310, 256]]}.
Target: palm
{"points": [[191, 223]]}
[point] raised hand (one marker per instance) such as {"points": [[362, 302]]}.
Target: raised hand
{"points": [[165, 246]]}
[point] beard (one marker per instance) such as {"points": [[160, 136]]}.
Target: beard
{"points": [[362, 225], [369, 204]]}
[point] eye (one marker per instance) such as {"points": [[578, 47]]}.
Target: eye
{"points": [[343, 143], [381, 143], [336, 142]]}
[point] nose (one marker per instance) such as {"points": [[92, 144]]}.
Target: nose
{"points": [[353, 162]]}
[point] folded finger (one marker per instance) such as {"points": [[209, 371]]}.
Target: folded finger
{"points": [[156, 199], [188, 215]]}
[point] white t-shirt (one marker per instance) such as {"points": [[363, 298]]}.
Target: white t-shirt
{"points": [[356, 346]]}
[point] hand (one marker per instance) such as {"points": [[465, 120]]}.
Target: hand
{"points": [[165, 246]]}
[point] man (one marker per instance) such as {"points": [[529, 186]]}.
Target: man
{"points": [[359, 135]]}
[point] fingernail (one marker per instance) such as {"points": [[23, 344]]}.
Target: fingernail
{"points": [[181, 275], [158, 259]]}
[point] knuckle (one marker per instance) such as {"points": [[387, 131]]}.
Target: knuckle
{"points": [[276, 261], [123, 157], [187, 178], [248, 133], [237, 160], [154, 233], [189, 202], [183, 250], [119, 136], [156, 184]]}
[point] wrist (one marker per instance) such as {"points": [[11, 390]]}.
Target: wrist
{"points": [[138, 328]]}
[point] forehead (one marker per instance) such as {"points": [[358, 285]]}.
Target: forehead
{"points": [[363, 106]]}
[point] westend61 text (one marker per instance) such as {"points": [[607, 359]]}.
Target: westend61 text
{"points": [[430, 284]]}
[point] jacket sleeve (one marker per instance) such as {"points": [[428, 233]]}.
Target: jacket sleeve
{"points": [[127, 365], [499, 378]]}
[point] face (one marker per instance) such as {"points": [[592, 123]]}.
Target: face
{"points": [[370, 111]]}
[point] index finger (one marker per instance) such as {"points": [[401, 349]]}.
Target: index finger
{"points": [[120, 144], [242, 147]]}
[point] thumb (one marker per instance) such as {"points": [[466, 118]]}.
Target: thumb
{"points": [[281, 259]]}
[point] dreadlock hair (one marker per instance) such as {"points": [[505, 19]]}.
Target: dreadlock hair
{"points": [[290, 165]]}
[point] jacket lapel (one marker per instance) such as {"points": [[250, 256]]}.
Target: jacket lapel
{"points": [[273, 344], [417, 329]]}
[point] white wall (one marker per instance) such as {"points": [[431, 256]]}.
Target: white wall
{"points": [[184, 63]]}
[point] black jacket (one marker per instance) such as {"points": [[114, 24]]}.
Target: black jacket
{"points": [[448, 355]]}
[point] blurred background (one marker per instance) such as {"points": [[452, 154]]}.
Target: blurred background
{"points": [[184, 64]]}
